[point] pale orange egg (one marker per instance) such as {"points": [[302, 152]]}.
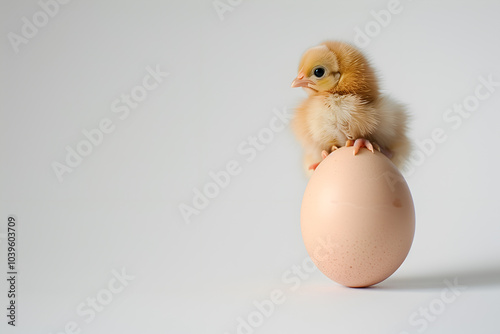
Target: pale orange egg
{"points": [[357, 217]]}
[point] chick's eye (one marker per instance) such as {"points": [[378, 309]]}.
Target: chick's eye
{"points": [[319, 72]]}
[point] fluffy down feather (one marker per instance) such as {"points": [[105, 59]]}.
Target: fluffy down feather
{"points": [[344, 103]]}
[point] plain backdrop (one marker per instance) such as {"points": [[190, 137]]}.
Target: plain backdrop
{"points": [[228, 75]]}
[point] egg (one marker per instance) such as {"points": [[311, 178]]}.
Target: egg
{"points": [[357, 217]]}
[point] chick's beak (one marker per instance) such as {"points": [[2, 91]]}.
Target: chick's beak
{"points": [[299, 81]]}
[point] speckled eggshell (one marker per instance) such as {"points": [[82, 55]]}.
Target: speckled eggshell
{"points": [[357, 217]]}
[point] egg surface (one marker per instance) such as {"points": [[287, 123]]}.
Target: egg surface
{"points": [[357, 217]]}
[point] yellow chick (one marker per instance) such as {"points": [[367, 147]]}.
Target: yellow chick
{"points": [[345, 107]]}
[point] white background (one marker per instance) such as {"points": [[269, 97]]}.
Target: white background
{"points": [[120, 207]]}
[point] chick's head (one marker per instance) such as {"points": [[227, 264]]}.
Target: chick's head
{"points": [[336, 68]]}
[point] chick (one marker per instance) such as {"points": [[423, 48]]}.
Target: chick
{"points": [[345, 107]]}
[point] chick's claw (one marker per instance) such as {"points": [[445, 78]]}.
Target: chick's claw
{"points": [[314, 166], [324, 154], [361, 142]]}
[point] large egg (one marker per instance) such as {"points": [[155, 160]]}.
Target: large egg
{"points": [[357, 217]]}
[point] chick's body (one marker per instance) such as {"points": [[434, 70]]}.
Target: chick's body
{"points": [[344, 104]]}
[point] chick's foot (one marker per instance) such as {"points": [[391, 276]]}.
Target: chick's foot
{"points": [[361, 142], [324, 154]]}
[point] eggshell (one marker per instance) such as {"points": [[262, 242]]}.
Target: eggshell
{"points": [[357, 217]]}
